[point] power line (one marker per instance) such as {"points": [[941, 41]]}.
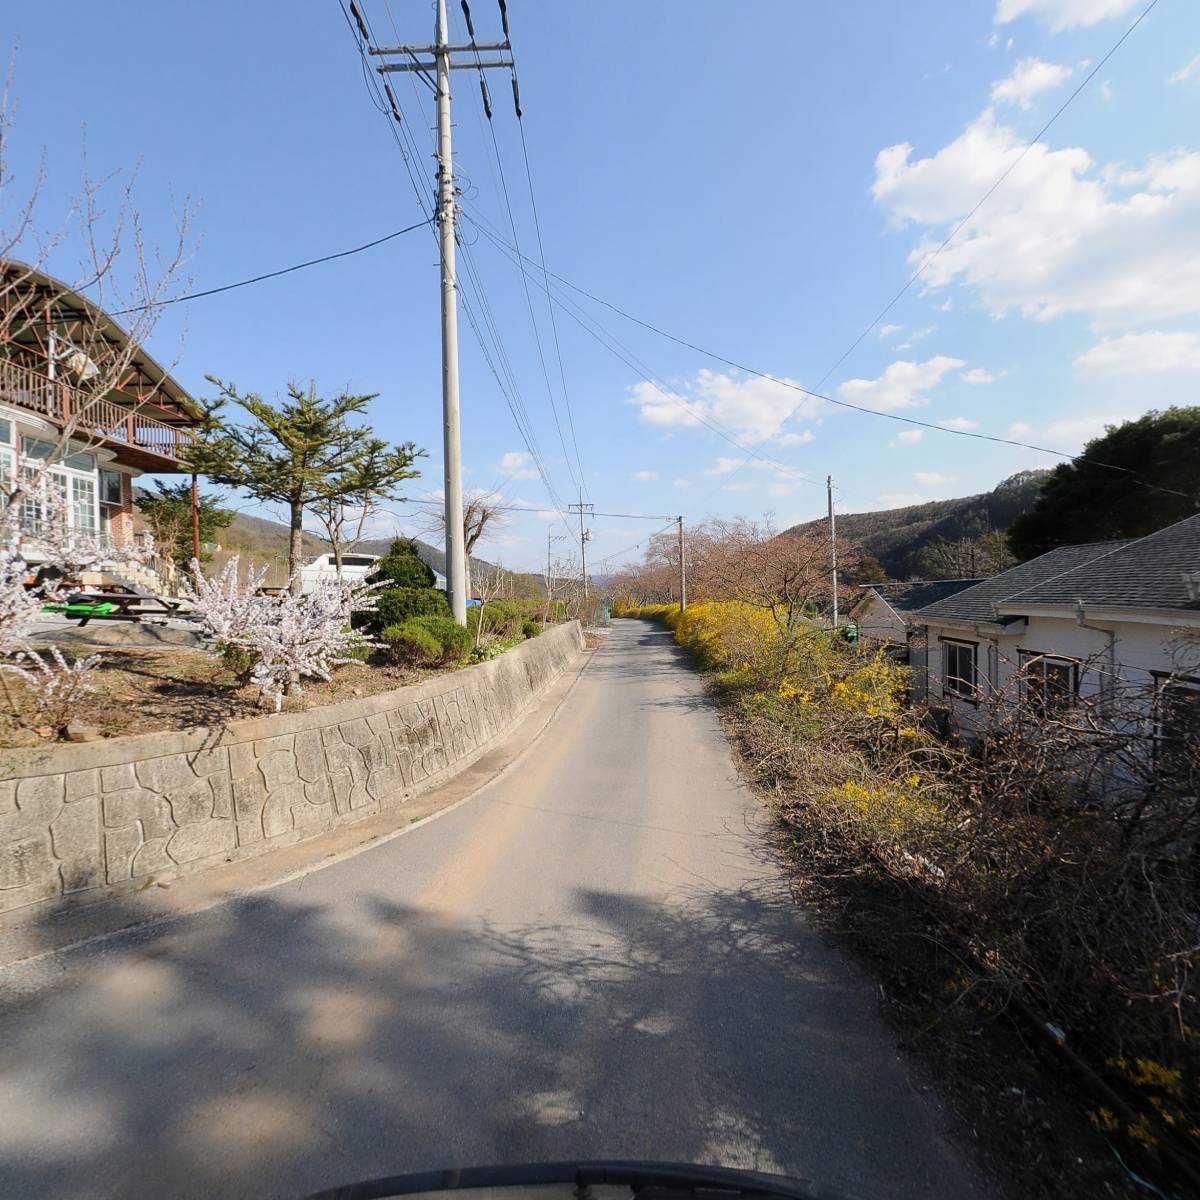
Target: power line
{"points": [[409, 150], [818, 395], [627, 356], [927, 262], [795, 387], [312, 262], [578, 481]]}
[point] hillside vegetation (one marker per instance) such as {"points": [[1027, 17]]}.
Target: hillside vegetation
{"points": [[903, 539]]}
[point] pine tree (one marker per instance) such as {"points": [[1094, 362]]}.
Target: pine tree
{"points": [[169, 516], [298, 453]]}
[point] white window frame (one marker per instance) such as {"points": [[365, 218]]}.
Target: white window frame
{"points": [[1031, 658], [64, 473], [956, 686]]}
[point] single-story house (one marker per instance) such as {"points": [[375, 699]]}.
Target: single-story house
{"points": [[1071, 623], [883, 615]]}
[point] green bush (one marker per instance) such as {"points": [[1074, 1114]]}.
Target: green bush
{"points": [[531, 629], [401, 568], [454, 639], [410, 644], [394, 606]]}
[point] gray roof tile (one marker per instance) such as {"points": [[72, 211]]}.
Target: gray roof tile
{"points": [[978, 603], [1144, 573], [908, 597]]}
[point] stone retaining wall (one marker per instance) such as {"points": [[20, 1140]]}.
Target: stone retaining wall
{"points": [[79, 821]]}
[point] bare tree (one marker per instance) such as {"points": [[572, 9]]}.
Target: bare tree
{"points": [[482, 514], [117, 275], [345, 525]]}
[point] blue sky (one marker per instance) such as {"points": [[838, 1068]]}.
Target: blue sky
{"points": [[755, 179]]}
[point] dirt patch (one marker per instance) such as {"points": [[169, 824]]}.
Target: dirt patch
{"points": [[1030, 1130], [145, 689]]}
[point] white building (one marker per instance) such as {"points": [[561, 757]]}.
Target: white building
{"points": [[1073, 622], [883, 616]]}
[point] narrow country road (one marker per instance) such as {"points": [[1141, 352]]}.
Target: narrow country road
{"points": [[595, 956]]}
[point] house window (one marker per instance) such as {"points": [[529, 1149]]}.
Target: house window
{"points": [[83, 503], [1177, 730], [110, 499], [6, 431], [959, 673], [1048, 684]]}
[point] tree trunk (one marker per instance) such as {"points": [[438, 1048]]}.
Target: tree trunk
{"points": [[295, 548]]}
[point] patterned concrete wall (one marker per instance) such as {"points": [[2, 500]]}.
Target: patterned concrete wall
{"points": [[77, 820]]}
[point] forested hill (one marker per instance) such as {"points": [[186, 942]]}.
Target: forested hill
{"points": [[901, 538]]}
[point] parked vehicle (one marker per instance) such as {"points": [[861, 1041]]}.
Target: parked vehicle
{"points": [[355, 567]]}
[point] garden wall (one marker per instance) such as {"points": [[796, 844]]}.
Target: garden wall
{"points": [[82, 820]]}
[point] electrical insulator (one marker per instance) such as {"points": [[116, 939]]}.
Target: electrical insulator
{"points": [[356, 13]]}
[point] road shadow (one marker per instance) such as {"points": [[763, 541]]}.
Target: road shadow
{"points": [[274, 1046]]}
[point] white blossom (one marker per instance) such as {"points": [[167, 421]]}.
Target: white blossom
{"points": [[290, 637], [226, 608]]}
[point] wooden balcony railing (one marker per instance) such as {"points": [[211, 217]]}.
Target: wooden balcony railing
{"points": [[92, 417]]}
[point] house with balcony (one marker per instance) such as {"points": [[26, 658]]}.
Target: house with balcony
{"points": [[78, 394]]}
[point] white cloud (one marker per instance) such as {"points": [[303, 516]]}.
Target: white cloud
{"points": [[726, 466], [1141, 354], [743, 485], [1030, 78], [901, 499], [902, 385], [961, 424], [1106, 91], [886, 331], [748, 406], [916, 336], [645, 474], [910, 437], [797, 439], [978, 375], [681, 482], [1070, 434], [1062, 14], [517, 464], [1186, 71], [782, 489], [930, 478], [1120, 245]]}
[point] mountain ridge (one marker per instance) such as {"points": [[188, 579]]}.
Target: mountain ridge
{"points": [[903, 538]]}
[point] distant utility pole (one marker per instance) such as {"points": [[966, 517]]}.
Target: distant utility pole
{"points": [[682, 570], [584, 534], [832, 546], [436, 74]]}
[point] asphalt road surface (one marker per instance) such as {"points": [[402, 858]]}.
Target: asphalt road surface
{"points": [[595, 956]]}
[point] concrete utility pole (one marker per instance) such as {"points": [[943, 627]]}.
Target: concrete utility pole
{"points": [[442, 64], [682, 570], [584, 534], [832, 546]]}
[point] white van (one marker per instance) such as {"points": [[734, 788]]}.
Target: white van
{"points": [[355, 568]]}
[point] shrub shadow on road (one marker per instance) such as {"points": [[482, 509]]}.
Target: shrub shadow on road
{"points": [[272, 1046]]}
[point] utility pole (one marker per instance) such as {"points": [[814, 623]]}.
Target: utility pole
{"points": [[443, 62], [682, 570], [832, 547], [584, 534]]}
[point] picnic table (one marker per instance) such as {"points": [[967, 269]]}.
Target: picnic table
{"points": [[116, 605]]}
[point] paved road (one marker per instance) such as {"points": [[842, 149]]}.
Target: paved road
{"points": [[595, 956]]}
